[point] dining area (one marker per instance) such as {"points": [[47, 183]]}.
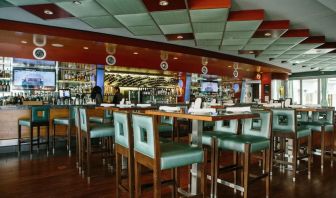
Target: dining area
{"points": [[208, 151]]}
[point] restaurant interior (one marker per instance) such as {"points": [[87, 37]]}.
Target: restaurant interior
{"points": [[167, 98]]}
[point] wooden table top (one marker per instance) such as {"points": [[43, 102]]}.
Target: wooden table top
{"points": [[210, 118], [134, 108]]}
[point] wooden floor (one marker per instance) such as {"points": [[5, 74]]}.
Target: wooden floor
{"points": [[56, 176]]}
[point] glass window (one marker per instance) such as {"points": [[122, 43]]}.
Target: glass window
{"points": [[331, 94], [309, 91], [294, 91]]}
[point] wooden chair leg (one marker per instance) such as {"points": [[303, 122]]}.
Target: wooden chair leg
{"points": [[83, 151], [118, 173], [54, 134], [214, 167], [38, 138], [203, 177], [157, 183], [310, 155], [19, 140], [47, 143], [332, 148], [295, 152], [247, 149], [137, 173], [130, 175], [31, 142], [88, 159], [235, 175], [322, 148], [69, 139], [267, 170], [176, 177]]}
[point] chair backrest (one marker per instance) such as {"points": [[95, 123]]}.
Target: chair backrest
{"points": [[284, 120], [108, 114], [76, 116], [40, 114], [145, 135], [72, 113], [230, 126], [122, 128], [262, 128], [167, 120], [326, 117], [303, 116], [83, 118]]}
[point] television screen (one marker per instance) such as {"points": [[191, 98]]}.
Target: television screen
{"points": [[64, 93], [207, 86], [34, 79], [236, 87]]}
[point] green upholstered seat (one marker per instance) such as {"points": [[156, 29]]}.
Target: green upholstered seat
{"points": [[209, 124], [25, 122], [303, 132], [221, 129], [61, 121], [165, 128], [320, 120], [258, 137], [99, 131], [237, 143], [96, 119], [176, 155], [107, 118]]}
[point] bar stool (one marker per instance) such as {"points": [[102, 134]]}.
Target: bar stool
{"points": [[285, 127], [324, 123], [223, 129], [252, 140], [39, 118], [64, 121], [166, 126], [78, 139], [107, 118], [124, 147], [89, 132], [149, 152]]}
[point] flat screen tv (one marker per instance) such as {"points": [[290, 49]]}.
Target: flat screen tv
{"points": [[34, 79], [209, 86], [64, 93], [236, 87]]}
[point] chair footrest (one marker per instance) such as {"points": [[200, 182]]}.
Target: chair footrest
{"points": [[229, 184], [149, 186], [229, 168]]}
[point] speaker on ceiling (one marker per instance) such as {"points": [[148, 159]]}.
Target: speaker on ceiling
{"points": [[111, 60], [39, 53]]}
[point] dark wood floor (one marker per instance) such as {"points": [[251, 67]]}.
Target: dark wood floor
{"points": [[56, 176]]}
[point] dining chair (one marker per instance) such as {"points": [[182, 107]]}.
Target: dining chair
{"points": [[107, 118], [39, 118], [149, 152]]}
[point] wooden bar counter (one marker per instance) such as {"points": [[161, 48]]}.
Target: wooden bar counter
{"points": [[9, 116]]}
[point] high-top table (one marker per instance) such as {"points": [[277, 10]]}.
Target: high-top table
{"points": [[197, 130]]}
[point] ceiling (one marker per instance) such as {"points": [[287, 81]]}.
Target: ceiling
{"points": [[295, 34]]}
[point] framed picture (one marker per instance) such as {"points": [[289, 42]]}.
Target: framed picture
{"points": [[266, 89]]}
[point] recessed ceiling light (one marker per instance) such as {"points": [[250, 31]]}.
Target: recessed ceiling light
{"points": [[180, 37], [135, 53], [163, 2], [86, 48], [48, 12], [57, 45], [229, 66], [304, 66], [268, 34], [77, 2], [175, 58], [251, 52], [24, 42]]}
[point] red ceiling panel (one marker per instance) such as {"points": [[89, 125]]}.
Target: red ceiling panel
{"points": [[40, 9], [153, 5], [246, 15], [314, 39], [208, 4], [327, 45], [271, 29], [185, 36], [297, 33]]}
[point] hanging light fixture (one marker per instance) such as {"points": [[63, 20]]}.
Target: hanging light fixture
{"points": [[163, 2], [110, 50], [164, 57], [204, 63], [235, 71]]}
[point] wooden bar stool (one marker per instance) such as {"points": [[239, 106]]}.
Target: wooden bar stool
{"points": [[149, 152], [88, 133], [251, 140], [39, 118], [124, 148], [78, 139], [285, 127], [107, 118], [64, 121]]}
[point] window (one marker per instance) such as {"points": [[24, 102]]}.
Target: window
{"points": [[331, 94], [295, 91], [309, 91]]}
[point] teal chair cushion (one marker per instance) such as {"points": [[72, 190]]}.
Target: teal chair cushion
{"points": [[61, 121], [237, 143], [165, 128], [25, 122], [100, 131], [176, 155], [317, 126], [303, 132], [95, 119], [209, 124], [207, 135]]}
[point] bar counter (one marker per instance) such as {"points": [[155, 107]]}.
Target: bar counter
{"points": [[9, 116]]}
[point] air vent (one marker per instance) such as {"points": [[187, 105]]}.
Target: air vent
{"points": [[39, 53], [111, 60]]}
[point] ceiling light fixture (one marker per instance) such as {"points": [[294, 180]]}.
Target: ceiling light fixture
{"points": [[86, 48], [268, 34], [175, 58], [229, 66], [24, 42], [57, 45], [163, 2], [180, 37], [48, 12], [251, 52], [77, 2], [135, 53]]}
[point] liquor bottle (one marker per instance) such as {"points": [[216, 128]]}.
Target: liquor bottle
{"points": [[1, 86], [8, 87]]}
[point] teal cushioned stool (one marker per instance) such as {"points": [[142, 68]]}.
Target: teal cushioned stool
{"points": [[107, 118], [124, 148], [39, 118], [253, 139], [88, 132], [149, 152], [166, 127], [285, 126], [324, 123], [64, 121]]}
